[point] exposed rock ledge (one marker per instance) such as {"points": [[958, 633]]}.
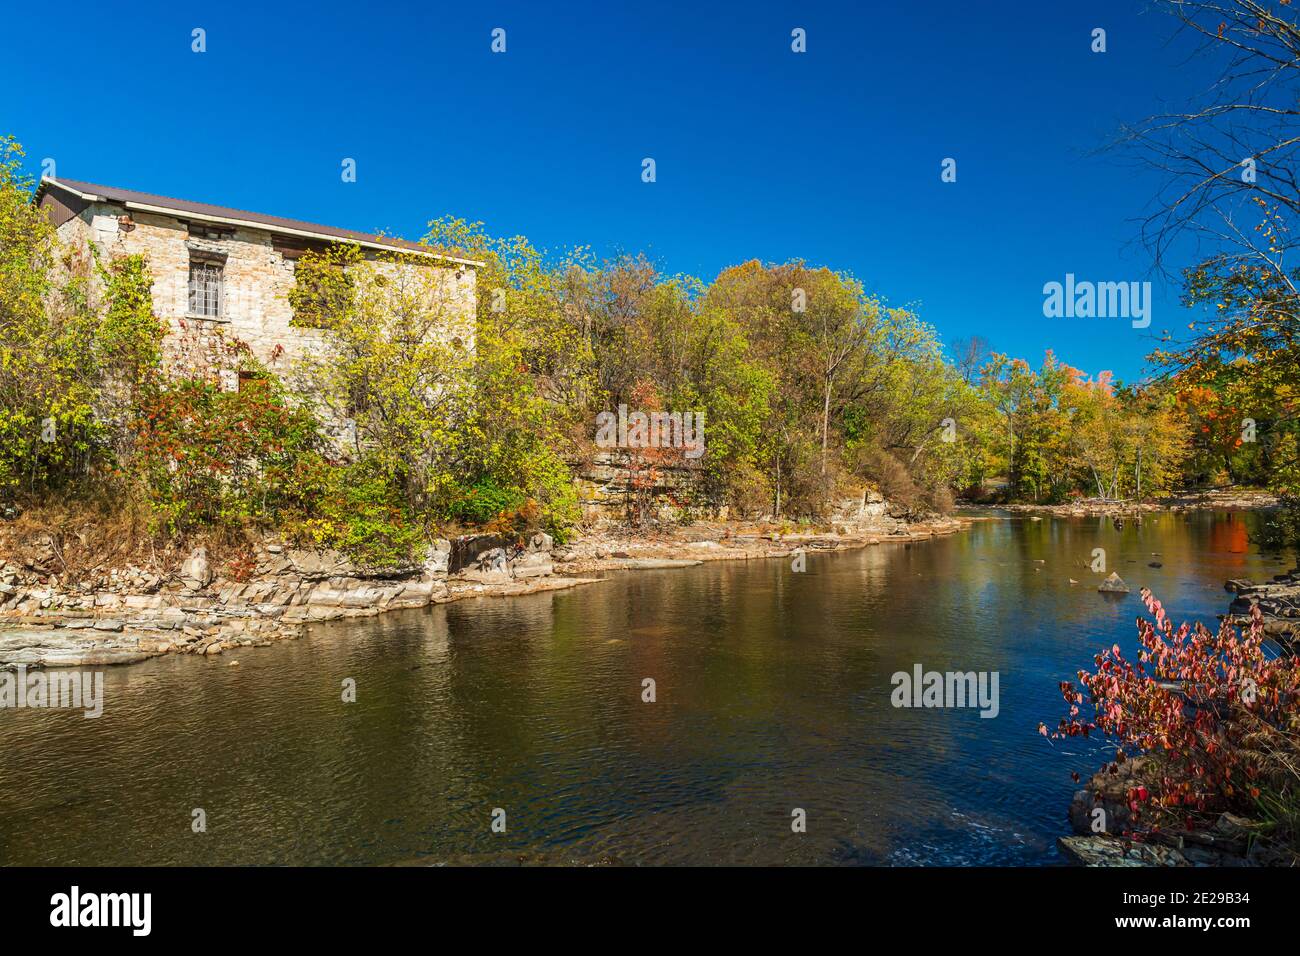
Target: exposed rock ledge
{"points": [[1278, 601], [1230, 841], [133, 614], [1229, 499]]}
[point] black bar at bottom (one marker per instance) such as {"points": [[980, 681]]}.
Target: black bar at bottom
{"points": [[336, 905]]}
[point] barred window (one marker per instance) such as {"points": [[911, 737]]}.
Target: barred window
{"points": [[205, 288]]}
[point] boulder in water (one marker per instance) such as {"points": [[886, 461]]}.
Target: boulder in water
{"points": [[1113, 584]]}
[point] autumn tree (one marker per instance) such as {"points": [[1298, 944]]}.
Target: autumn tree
{"points": [[1228, 165], [392, 374]]}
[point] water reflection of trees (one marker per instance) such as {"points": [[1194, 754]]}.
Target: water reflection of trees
{"points": [[770, 682]]}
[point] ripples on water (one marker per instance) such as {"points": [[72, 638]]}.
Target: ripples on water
{"points": [[773, 693]]}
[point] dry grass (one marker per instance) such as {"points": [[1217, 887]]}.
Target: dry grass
{"points": [[88, 534], [1278, 765]]}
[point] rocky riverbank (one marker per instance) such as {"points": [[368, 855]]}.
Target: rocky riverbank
{"points": [[1241, 499], [131, 614], [1278, 601], [1231, 841]]}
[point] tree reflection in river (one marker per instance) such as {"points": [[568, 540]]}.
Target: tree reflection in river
{"points": [[773, 692]]}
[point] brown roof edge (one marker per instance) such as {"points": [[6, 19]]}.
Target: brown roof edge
{"points": [[224, 214]]}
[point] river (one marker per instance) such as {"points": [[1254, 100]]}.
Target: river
{"points": [[772, 692]]}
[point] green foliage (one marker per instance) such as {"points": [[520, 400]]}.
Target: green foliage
{"points": [[47, 432], [69, 367], [357, 509], [1238, 372], [484, 501], [1065, 434], [397, 364], [128, 343], [846, 390], [323, 292], [530, 378], [214, 458], [809, 387]]}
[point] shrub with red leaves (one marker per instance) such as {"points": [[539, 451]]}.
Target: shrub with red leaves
{"points": [[1217, 711]]}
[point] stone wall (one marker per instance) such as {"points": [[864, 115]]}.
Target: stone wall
{"points": [[257, 279], [603, 483], [870, 512]]}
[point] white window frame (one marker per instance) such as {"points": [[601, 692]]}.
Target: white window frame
{"points": [[206, 301]]}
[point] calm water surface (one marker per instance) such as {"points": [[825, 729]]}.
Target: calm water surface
{"points": [[773, 693]]}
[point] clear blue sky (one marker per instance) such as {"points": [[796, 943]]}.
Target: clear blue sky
{"points": [[832, 156]]}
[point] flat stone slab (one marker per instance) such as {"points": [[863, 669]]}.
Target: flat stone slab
{"points": [[527, 586], [650, 564], [1109, 851], [60, 647]]}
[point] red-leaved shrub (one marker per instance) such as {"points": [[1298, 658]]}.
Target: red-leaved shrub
{"points": [[1217, 711]]}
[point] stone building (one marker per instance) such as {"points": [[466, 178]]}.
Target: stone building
{"points": [[216, 268]]}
